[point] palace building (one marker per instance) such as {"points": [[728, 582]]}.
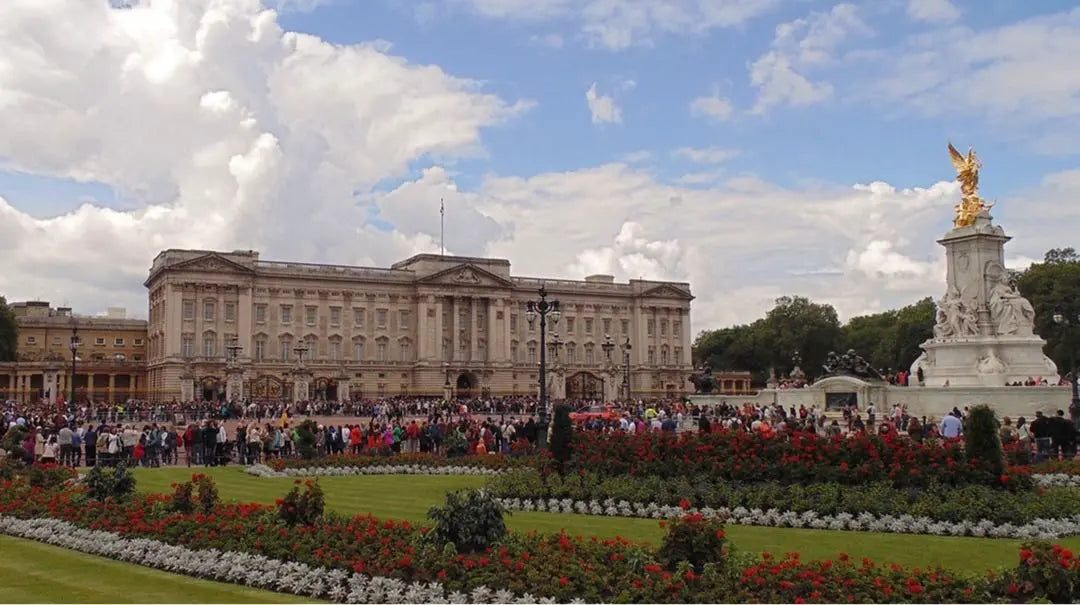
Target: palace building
{"points": [[110, 360], [229, 325]]}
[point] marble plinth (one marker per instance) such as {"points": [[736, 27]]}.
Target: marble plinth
{"points": [[987, 361]]}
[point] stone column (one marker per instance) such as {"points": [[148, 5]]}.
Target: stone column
{"points": [[455, 346], [474, 302], [51, 383], [509, 308], [437, 338], [492, 329], [422, 343], [90, 386], [244, 320]]}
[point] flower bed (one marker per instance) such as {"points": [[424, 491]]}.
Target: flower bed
{"points": [[490, 462], [972, 503], [261, 470], [795, 458], [333, 557], [1057, 467]]}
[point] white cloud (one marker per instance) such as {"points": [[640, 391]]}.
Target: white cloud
{"points": [[713, 106], [617, 25], [227, 131], [799, 46], [636, 157], [298, 6], [603, 108], [706, 155], [547, 40], [942, 11], [1020, 76]]}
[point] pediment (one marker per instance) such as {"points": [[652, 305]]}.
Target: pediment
{"points": [[668, 291], [211, 263], [467, 275]]}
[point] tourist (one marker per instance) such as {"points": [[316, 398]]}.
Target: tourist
{"points": [[1042, 431], [951, 425]]}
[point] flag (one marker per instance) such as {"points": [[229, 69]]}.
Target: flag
{"points": [[284, 418]]}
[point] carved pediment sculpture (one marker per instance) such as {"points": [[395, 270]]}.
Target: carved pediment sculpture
{"points": [[467, 276], [956, 317]]}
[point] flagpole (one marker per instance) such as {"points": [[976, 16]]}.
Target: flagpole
{"points": [[442, 227]]}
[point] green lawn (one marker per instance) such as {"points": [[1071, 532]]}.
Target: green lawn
{"points": [[409, 497], [32, 572]]}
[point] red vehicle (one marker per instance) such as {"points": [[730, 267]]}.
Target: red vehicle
{"points": [[593, 412]]}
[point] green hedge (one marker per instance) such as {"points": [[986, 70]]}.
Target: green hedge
{"points": [[971, 502]]}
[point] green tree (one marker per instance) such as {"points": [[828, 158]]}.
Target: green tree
{"points": [[562, 435], [797, 325], [1054, 286], [982, 438], [891, 339], [9, 332]]}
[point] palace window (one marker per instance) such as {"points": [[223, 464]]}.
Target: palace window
{"points": [[30, 340], [571, 353], [358, 318], [446, 350], [513, 323], [650, 327], [588, 325], [230, 312], [100, 342], [312, 346], [260, 349], [663, 355], [56, 340], [189, 310], [335, 316], [380, 319], [286, 314], [463, 349], [403, 320], [590, 354], [676, 328], [514, 353], [678, 356], [138, 342], [607, 325], [481, 350], [380, 352], [118, 342], [312, 313], [358, 351], [532, 352], [570, 325], [663, 327], [188, 347], [208, 310], [260, 314], [404, 350], [480, 321], [286, 348], [625, 326], [652, 356], [335, 350], [209, 345]]}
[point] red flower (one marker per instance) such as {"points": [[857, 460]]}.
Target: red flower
{"points": [[684, 504], [563, 580]]}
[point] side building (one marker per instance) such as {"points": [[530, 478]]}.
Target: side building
{"points": [[110, 362], [226, 324]]}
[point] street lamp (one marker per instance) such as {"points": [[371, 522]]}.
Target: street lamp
{"points": [[626, 347], [1062, 320], [234, 349], [608, 346], [75, 342], [301, 350], [543, 308]]}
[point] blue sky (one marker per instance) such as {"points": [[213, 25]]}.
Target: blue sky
{"points": [[755, 148]]}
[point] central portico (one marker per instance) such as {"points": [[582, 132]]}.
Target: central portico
{"points": [[428, 325]]}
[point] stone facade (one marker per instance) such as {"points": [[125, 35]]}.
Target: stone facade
{"points": [[110, 363], [429, 325]]}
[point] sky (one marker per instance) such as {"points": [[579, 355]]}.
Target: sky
{"points": [[755, 148]]}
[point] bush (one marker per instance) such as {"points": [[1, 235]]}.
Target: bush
{"points": [[982, 435], [185, 497], [302, 508], [456, 444], [1045, 572], [110, 484], [562, 435], [48, 476], [695, 540], [305, 442], [12, 444], [471, 520]]}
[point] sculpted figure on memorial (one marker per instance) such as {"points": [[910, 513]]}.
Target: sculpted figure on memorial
{"points": [[990, 364], [954, 318], [967, 173], [1011, 313]]}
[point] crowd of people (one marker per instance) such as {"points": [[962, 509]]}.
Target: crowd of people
{"points": [[250, 433]]}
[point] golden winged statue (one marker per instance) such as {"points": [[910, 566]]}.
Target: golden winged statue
{"points": [[967, 172]]}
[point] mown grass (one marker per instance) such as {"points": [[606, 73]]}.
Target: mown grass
{"points": [[410, 497], [32, 572]]}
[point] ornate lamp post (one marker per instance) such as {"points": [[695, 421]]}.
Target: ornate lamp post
{"points": [[233, 372], [543, 308], [608, 346], [1066, 325], [555, 345], [300, 385], [626, 347], [75, 342]]}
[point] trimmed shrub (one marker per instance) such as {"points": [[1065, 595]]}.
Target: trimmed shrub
{"points": [[305, 442], [982, 434], [110, 484], [562, 436], [185, 498], [49, 476], [302, 508], [471, 520], [695, 540]]}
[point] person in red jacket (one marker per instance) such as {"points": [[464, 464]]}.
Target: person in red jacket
{"points": [[189, 443]]}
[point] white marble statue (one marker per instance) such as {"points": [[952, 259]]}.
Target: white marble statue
{"points": [[1011, 313], [990, 364], [954, 318]]}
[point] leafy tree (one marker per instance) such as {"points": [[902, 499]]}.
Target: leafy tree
{"points": [[891, 339], [982, 438], [797, 325], [9, 332], [471, 520], [1054, 286], [305, 443]]}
